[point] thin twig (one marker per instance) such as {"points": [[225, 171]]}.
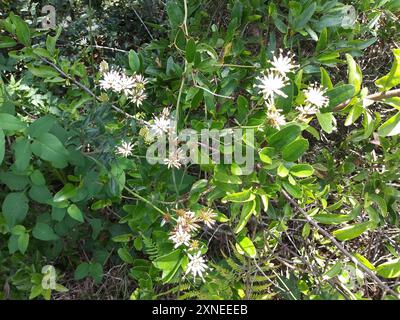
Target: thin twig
{"points": [[378, 96]]}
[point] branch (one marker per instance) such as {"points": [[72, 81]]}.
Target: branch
{"points": [[379, 282], [374, 97]]}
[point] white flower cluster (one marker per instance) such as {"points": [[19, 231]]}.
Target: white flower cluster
{"points": [[116, 80], [164, 125], [187, 224], [315, 99], [271, 84]]}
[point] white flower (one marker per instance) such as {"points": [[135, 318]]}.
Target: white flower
{"points": [[208, 217], [187, 220], [315, 96], [110, 80], [125, 84], [283, 64], [137, 97], [161, 124], [180, 236], [132, 86], [196, 265], [306, 111], [271, 83], [175, 159], [275, 118], [83, 42], [125, 149]]}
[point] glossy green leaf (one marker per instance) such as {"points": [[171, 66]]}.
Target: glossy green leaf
{"points": [[390, 269], [352, 231], [294, 150], [75, 213]]}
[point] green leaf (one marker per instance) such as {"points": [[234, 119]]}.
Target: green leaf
{"points": [[354, 113], [22, 30], [125, 256], [248, 247], [294, 150], [7, 42], [43, 71], [322, 41], [329, 218], [75, 213], [48, 147], [67, 192], [190, 50], [392, 79], [41, 125], [82, 271], [340, 94], [352, 231], [326, 120], [301, 170], [301, 21], [364, 261], [354, 72], [175, 13], [243, 196], [42, 231], [23, 242], [15, 207], [23, 154], [326, 81], [390, 269], [2, 146], [96, 272], [9, 122], [266, 155], [247, 210], [333, 272], [294, 190], [282, 171], [391, 127], [134, 61], [169, 264], [285, 136]]}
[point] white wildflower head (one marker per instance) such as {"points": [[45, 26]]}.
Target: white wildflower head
{"points": [[132, 86], [306, 111], [315, 96], [187, 220], [175, 159], [180, 236], [197, 265], [283, 64], [208, 217], [275, 118], [137, 93], [125, 84], [125, 149], [161, 125], [270, 84], [110, 80]]}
